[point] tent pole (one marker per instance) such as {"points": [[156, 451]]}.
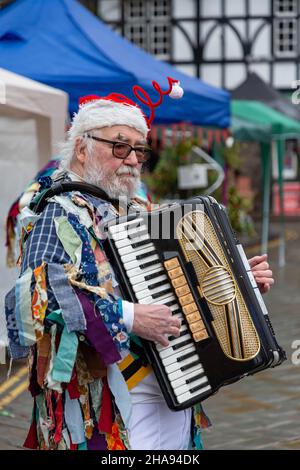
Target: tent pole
{"points": [[266, 162], [281, 251]]}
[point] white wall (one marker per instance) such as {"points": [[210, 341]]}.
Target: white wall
{"points": [[260, 7], [181, 47]]}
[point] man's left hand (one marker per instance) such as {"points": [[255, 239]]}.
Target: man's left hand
{"points": [[262, 272]]}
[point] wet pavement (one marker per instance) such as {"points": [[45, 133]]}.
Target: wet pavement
{"points": [[258, 412], [15, 406]]}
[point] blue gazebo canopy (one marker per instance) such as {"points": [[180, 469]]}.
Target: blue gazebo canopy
{"points": [[63, 45]]}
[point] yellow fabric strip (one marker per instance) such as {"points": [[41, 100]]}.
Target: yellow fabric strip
{"points": [[138, 376], [125, 362]]}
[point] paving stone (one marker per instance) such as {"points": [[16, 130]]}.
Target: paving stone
{"points": [[262, 411]]}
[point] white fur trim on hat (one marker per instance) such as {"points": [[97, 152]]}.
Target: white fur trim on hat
{"points": [[105, 113]]}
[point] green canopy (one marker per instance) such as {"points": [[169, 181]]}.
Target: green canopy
{"points": [[255, 121], [259, 121], [243, 129]]}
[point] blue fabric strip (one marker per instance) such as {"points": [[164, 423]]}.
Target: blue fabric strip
{"points": [[23, 309], [83, 446], [74, 421], [71, 308], [65, 358], [16, 351], [88, 263], [120, 391], [10, 316]]}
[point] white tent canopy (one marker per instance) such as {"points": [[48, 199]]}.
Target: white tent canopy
{"points": [[33, 117], [23, 98]]}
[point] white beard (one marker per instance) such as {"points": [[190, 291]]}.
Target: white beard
{"points": [[115, 186]]}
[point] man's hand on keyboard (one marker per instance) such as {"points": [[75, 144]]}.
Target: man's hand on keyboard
{"points": [[155, 323]]}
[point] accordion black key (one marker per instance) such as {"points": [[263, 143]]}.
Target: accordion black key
{"points": [[187, 257]]}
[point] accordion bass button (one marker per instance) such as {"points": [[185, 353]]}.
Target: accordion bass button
{"points": [[190, 308], [200, 335], [171, 263], [186, 299], [175, 273], [182, 291], [192, 317], [179, 282], [196, 326]]}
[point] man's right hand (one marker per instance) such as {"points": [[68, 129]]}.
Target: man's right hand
{"points": [[155, 323]]}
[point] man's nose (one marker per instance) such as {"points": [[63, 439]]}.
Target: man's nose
{"points": [[131, 159]]}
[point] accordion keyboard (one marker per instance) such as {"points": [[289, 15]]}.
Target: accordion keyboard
{"points": [[154, 282]]}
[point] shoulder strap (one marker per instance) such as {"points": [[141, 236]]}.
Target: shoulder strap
{"points": [[64, 187]]}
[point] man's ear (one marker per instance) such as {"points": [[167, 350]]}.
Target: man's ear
{"points": [[80, 151]]}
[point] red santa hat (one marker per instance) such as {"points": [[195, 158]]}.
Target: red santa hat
{"points": [[116, 109]]}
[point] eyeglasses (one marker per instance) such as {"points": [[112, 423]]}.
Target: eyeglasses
{"points": [[122, 150]]}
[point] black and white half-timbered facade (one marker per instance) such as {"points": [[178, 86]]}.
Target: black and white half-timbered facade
{"points": [[219, 41]]}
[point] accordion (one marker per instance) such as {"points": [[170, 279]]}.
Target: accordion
{"points": [[186, 256]]}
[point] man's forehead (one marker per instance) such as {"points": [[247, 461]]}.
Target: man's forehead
{"points": [[125, 138], [123, 133]]}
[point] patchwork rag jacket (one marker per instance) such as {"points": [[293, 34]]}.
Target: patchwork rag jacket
{"points": [[65, 315]]}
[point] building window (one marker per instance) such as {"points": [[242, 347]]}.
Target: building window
{"points": [[285, 40], [147, 23], [286, 7], [286, 28]]}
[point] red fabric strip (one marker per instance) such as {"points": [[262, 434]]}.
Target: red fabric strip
{"points": [[72, 386], [31, 441], [72, 446], [58, 417], [105, 419]]}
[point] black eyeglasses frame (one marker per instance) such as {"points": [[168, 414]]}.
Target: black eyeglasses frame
{"points": [[140, 158]]}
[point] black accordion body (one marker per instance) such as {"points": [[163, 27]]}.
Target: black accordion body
{"points": [[186, 256]]}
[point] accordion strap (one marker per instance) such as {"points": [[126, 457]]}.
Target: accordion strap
{"points": [[64, 187]]}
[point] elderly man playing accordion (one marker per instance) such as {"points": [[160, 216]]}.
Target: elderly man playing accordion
{"points": [[91, 384]]}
